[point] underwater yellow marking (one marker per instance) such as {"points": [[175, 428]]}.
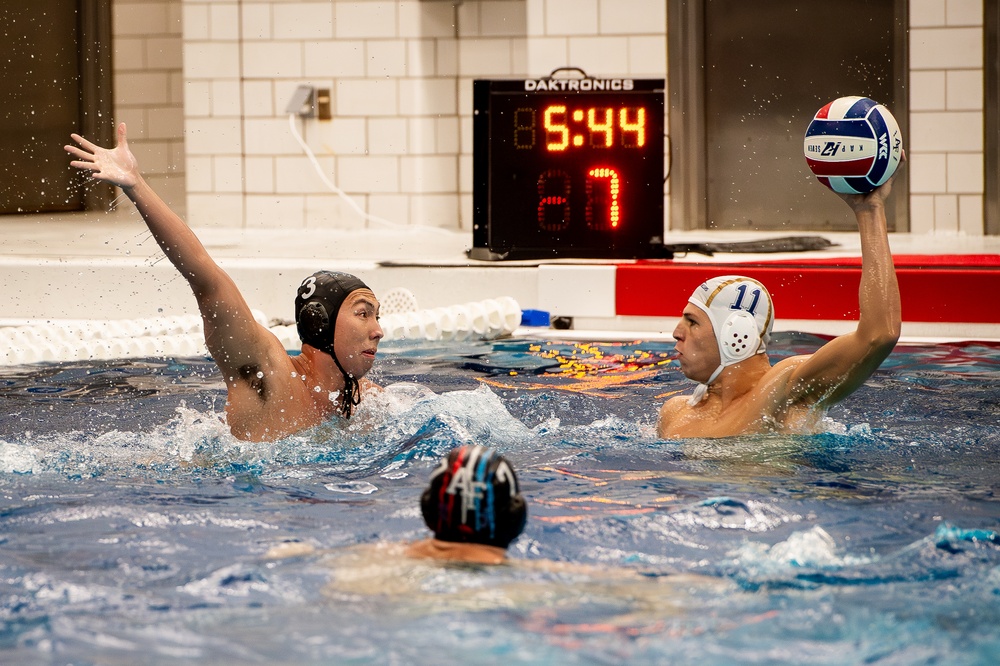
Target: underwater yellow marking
{"points": [[584, 512], [559, 501], [586, 385], [637, 475], [578, 476], [577, 519], [623, 475], [592, 368]]}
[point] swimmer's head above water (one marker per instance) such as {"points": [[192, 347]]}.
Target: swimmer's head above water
{"points": [[317, 306], [742, 316], [474, 497]]}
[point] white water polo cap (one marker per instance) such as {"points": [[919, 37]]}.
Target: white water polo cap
{"points": [[742, 315]]}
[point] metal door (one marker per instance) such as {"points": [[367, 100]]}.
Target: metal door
{"points": [[761, 70], [56, 78]]}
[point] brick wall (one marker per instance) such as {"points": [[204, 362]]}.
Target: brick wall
{"points": [[149, 92], [945, 146], [400, 73]]}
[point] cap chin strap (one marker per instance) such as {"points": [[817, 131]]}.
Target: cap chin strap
{"points": [[738, 340], [314, 317], [702, 389], [352, 391]]}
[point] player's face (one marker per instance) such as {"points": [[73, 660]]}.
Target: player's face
{"points": [[358, 332], [697, 350]]}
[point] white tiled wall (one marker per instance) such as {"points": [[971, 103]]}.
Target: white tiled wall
{"points": [[149, 90], [400, 77], [945, 146]]}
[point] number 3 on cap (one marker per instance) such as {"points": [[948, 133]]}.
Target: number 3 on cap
{"points": [[310, 287]]}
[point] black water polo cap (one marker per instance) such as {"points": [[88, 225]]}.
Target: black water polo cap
{"points": [[317, 303]]}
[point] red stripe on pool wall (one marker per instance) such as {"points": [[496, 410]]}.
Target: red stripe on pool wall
{"points": [[900, 260], [928, 293]]}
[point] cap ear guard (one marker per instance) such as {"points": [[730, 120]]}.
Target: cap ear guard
{"points": [[512, 514], [512, 519], [313, 325], [739, 338], [427, 508], [741, 314]]}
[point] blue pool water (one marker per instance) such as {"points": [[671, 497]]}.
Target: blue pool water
{"points": [[135, 529]]}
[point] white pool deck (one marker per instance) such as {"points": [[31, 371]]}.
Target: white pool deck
{"points": [[107, 266]]}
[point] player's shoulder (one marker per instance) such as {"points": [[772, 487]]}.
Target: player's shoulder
{"points": [[787, 365], [674, 404], [778, 384], [670, 412]]}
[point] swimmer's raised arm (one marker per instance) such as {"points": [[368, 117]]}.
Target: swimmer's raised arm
{"points": [[722, 342], [232, 335], [843, 364], [270, 394]]}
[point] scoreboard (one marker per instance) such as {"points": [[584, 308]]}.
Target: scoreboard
{"points": [[567, 168]]}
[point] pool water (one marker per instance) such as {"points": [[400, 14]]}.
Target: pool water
{"points": [[135, 529]]}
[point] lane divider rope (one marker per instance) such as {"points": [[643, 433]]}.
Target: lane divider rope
{"points": [[181, 336]]}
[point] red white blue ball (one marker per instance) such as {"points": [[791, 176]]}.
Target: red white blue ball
{"points": [[853, 145]]}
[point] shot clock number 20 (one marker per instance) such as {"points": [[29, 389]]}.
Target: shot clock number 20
{"points": [[567, 168]]}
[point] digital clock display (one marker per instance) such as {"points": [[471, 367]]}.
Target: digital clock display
{"points": [[567, 168]]}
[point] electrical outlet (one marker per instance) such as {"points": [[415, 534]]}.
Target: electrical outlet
{"points": [[323, 111]]}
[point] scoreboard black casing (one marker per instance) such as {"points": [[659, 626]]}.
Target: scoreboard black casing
{"points": [[567, 168]]}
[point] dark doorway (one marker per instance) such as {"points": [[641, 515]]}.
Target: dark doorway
{"points": [[746, 79], [55, 63]]}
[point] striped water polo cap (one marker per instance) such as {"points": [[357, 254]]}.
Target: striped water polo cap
{"points": [[474, 497]]}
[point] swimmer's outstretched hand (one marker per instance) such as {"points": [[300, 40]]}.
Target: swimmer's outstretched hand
{"points": [[118, 167], [875, 198]]}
